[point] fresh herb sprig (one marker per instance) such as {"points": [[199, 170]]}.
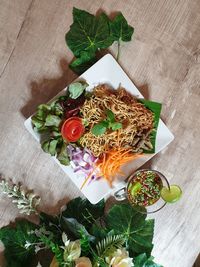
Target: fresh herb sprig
{"points": [[90, 34], [109, 123]]}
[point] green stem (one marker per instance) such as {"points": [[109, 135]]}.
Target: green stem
{"points": [[118, 50]]}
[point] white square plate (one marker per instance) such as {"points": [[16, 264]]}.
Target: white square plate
{"points": [[107, 70]]}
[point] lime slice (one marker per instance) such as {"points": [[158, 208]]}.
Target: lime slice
{"points": [[135, 188], [171, 195]]}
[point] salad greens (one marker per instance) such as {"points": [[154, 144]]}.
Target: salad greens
{"points": [[49, 117], [76, 89], [109, 123], [89, 34]]}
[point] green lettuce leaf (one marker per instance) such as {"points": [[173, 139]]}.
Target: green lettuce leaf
{"points": [[52, 120], [62, 155], [125, 220], [76, 89]]}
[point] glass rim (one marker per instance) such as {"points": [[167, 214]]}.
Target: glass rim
{"points": [[161, 176]]}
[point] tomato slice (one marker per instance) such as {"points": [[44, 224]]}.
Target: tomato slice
{"points": [[72, 129]]}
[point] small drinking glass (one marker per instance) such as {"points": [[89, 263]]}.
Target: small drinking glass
{"points": [[143, 190]]}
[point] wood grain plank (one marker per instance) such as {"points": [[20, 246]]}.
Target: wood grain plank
{"points": [[12, 16], [164, 62]]}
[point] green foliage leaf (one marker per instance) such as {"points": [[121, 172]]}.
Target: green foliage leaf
{"points": [[99, 231], [82, 63], [110, 115], [76, 89], [143, 261], [99, 128], [38, 123], [88, 32], [125, 220], [49, 146], [54, 247], [115, 126], [156, 109], [62, 155], [76, 228], [52, 120], [120, 30], [83, 211], [52, 147], [14, 240], [109, 244]]}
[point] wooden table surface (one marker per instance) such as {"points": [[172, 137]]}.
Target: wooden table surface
{"points": [[163, 60]]}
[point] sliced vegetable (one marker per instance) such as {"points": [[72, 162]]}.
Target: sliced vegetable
{"points": [[171, 195], [82, 161], [72, 129], [76, 89], [110, 164]]}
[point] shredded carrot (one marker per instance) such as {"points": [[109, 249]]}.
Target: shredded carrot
{"points": [[111, 162]]}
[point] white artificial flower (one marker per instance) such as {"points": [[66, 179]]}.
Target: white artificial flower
{"points": [[27, 244], [120, 258], [65, 240], [83, 262], [72, 251]]}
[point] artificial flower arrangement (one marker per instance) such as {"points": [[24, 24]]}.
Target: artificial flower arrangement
{"points": [[82, 235]]}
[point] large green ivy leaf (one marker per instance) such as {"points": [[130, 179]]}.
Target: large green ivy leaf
{"points": [[88, 32], [14, 240], [143, 261], [82, 63], [83, 211], [120, 30], [156, 109], [124, 219]]}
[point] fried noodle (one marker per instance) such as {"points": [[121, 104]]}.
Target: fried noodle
{"points": [[137, 121]]}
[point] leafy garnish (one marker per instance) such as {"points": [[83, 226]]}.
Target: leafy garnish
{"points": [[156, 109], [138, 232], [62, 154], [76, 89], [89, 34], [109, 123], [99, 128]]}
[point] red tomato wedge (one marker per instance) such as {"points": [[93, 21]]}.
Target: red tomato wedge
{"points": [[72, 129]]}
